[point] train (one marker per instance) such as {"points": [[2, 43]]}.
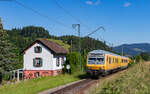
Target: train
{"points": [[101, 62]]}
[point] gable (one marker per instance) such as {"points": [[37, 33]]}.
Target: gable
{"points": [[52, 46]]}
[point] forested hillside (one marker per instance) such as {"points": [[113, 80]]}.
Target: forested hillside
{"points": [[25, 36], [133, 49]]}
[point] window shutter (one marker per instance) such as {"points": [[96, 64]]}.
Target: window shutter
{"points": [[57, 61], [41, 62], [40, 49], [34, 62], [35, 49]]}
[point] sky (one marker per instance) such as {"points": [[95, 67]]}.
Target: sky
{"points": [[125, 21]]}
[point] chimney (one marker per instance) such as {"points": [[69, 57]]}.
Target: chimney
{"points": [[1, 26]]}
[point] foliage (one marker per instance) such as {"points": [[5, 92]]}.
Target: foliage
{"points": [[87, 43], [133, 81], [25, 36], [64, 45], [133, 49], [145, 56], [73, 60], [35, 32], [132, 63], [37, 85], [8, 56], [138, 58]]}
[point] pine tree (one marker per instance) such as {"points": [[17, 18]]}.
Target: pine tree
{"points": [[8, 58]]}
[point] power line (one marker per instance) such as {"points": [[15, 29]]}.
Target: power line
{"points": [[101, 27], [75, 18], [40, 14]]}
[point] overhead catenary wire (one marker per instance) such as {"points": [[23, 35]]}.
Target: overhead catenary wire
{"points": [[101, 27], [71, 15], [40, 14]]}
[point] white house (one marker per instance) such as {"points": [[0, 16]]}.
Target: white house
{"points": [[43, 58]]}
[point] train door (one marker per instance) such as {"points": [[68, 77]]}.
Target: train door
{"points": [[106, 62]]}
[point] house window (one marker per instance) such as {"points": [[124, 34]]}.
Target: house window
{"points": [[37, 49], [57, 61], [36, 74], [37, 62], [62, 61]]}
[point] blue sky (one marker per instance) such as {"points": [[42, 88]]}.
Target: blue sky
{"points": [[125, 21]]}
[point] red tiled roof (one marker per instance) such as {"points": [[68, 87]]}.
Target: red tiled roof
{"points": [[56, 48]]}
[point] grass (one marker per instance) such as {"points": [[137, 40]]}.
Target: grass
{"points": [[34, 86], [135, 80], [64, 45]]}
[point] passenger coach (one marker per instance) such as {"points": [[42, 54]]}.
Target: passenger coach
{"points": [[104, 62]]}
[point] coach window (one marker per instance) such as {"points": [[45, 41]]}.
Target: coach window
{"points": [[109, 60], [117, 60], [113, 60]]}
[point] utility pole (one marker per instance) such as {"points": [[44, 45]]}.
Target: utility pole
{"points": [[71, 46], [74, 26]]}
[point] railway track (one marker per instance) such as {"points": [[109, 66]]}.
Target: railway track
{"points": [[75, 88], [80, 87]]}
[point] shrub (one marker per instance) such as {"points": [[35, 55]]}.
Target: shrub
{"points": [[74, 59], [138, 58]]}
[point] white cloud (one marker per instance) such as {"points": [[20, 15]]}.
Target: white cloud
{"points": [[97, 2], [127, 4], [90, 2]]}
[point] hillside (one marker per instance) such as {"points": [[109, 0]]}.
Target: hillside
{"points": [[135, 80], [22, 37], [133, 49]]}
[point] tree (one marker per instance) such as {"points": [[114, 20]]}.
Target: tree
{"points": [[145, 56], [138, 58], [73, 61], [8, 58]]}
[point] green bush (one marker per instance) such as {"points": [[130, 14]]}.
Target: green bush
{"points": [[132, 63], [74, 59], [145, 56], [138, 58]]}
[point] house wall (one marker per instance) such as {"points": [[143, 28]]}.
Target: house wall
{"points": [[46, 56], [55, 67], [49, 66]]}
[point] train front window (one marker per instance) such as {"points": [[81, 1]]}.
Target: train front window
{"points": [[100, 60], [96, 61], [92, 59]]}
